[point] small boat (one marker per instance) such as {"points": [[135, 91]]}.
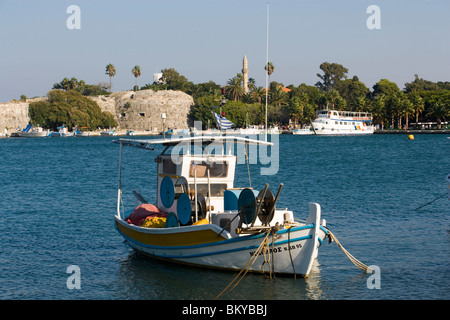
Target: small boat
{"points": [[80, 133], [333, 122], [303, 131], [32, 132], [62, 132], [273, 130], [249, 130], [108, 133], [200, 218]]}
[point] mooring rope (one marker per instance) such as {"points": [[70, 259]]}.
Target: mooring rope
{"points": [[246, 268], [355, 261]]}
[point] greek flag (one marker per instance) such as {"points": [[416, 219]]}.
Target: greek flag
{"points": [[222, 122]]}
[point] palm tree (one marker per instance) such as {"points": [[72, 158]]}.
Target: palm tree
{"points": [[270, 69], [278, 96], [251, 84], [136, 71], [234, 88], [438, 111], [418, 103], [258, 93], [111, 72]]}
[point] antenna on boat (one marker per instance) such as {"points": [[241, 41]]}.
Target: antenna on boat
{"points": [[267, 62]]}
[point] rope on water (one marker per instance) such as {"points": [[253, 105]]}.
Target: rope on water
{"points": [[264, 244], [430, 202], [355, 261]]}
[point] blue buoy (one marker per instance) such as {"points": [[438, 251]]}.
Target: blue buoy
{"points": [[184, 209], [167, 192]]}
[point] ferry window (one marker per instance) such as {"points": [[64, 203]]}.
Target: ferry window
{"points": [[340, 122], [168, 166], [345, 123], [217, 189], [337, 122], [216, 169]]}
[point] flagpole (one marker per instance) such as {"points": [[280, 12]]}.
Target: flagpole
{"points": [[267, 62]]}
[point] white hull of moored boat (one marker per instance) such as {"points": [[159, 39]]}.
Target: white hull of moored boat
{"points": [[289, 251]]}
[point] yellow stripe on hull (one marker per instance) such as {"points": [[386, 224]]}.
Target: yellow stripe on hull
{"points": [[171, 239]]}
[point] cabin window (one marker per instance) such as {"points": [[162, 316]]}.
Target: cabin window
{"points": [[216, 169], [168, 166], [217, 189]]}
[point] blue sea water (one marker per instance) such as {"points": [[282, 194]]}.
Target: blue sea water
{"points": [[58, 198]]}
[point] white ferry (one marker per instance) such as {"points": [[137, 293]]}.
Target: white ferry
{"points": [[333, 122]]}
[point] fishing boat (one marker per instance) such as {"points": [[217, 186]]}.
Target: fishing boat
{"points": [[200, 218], [334, 122], [32, 132], [62, 132], [108, 133], [303, 131]]}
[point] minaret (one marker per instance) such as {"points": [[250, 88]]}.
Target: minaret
{"points": [[245, 73]]}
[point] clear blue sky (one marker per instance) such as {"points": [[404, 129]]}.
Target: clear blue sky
{"points": [[206, 40]]}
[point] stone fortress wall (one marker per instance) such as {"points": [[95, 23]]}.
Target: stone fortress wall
{"points": [[139, 110]]}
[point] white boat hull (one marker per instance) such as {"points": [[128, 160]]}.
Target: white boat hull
{"points": [[33, 134], [291, 251]]}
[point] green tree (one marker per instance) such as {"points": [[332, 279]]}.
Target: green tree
{"points": [[417, 103], [354, 92], [437, 106], [136, 71], [419, 84], [277, 95], [69, 108], [385, 87], [108, 120], [270, 68], [332, 73], [378, 109], [175, 81], [234, 88], [257, 94], [110, 72]]}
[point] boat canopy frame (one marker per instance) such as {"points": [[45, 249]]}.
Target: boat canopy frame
{"points": [[203, 141]]}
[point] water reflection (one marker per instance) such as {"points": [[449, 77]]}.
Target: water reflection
{"points": [[141, 277]]}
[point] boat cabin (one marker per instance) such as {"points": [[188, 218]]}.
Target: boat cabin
{"points": [[192, 173], [195, 182]]}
